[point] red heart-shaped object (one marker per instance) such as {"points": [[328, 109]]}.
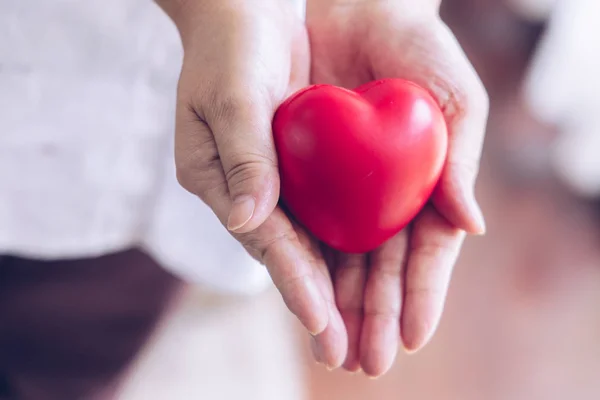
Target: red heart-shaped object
{"points": [[357, 166]]}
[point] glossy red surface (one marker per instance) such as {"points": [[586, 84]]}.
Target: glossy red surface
{"points": [[357, 166]]}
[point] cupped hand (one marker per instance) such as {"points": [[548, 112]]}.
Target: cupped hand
{"points": [[241, 60], [395, 294]]}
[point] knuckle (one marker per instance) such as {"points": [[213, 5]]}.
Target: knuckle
{"points": [[443, 239], [433, 247], [249, 167], [452, 99], [194, 170], [479, 93], [196, 155], [200, 185], [184, 179], [431, 250], [474, 97], [268, 245], [234, 98], [477, 100], [389, 270], [387, 312], [459, 99], [426, 291], [228, 100], [348, 301], [228, 106], [186, 174], [292, 284], [260, 247], [467, 167]]}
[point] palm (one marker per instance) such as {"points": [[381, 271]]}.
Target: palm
{"points": [[403, 283]]}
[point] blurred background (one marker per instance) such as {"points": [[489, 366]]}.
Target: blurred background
{"points": [[522, 318]]}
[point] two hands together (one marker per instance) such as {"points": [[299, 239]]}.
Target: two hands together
{"points": [[242, 59]]}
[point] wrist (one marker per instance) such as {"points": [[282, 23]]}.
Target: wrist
{"points": [[175, 9], [187, 14]]}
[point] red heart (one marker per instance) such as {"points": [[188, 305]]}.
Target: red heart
{"points": [[357, 166]]}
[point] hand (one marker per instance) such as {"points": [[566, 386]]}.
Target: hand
{"points": [[398, 291], [242, 59]]}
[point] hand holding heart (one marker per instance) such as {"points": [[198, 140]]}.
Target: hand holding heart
{"points": [[398, 290], [359, 307]]}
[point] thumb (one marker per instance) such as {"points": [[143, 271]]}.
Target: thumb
{"points": [[435, 61], [242, 131]]}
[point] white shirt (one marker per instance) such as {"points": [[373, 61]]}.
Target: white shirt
{"points": [[87, 96]]}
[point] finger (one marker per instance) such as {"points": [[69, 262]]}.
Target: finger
{"points": [[197, 162], [350, 277], [200, 171], [383, 300], [466, 109], [293, 269], [433, 249], [331, 345], [240, 120], [433, 59]]}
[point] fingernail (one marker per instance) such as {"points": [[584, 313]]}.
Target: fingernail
{"points": [[416, 342], [475, 211], [314, 346], [316, 303], [410, 352], [416, 330], [481, 228], [241, 212]]}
